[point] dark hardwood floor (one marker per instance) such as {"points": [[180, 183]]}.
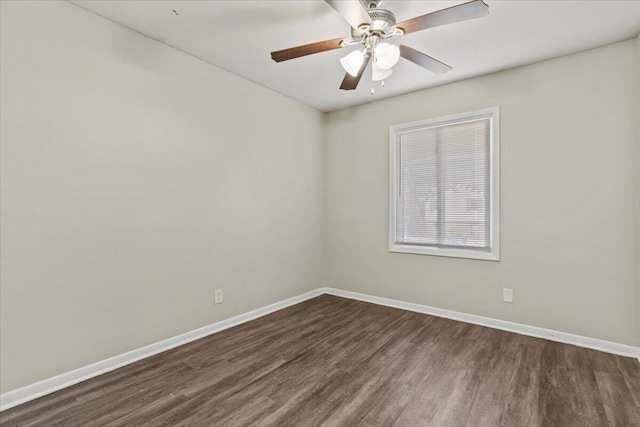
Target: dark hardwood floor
{"points": [[337, 362]]}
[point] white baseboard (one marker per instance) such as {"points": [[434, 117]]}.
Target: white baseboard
{"points": [[41, 388], [504, 325], [33, 391]]}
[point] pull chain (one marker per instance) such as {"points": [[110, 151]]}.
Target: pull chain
{"points": [[374, 59]]}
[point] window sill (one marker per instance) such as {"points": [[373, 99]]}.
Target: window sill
{"points": [[446, 252]]}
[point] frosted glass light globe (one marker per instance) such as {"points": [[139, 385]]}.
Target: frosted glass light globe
{"points": [[352, 62], [387, 55], [380, 73]]}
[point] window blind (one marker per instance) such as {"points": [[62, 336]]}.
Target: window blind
{"points": [[443, 185]]}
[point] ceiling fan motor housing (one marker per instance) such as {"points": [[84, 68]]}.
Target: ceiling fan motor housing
{"points": [[383, 22]]}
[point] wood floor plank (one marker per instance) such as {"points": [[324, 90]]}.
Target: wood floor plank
{"points": [[396, 393], [629, 371], [331, 361], [521, 405], [496, 374], [619, 405], [568, 391], [373, 384], [447, 376]]}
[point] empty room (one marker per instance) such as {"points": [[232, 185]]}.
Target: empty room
{"points": [[319, 213]]}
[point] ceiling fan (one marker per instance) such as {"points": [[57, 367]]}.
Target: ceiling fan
{"points": [[371, 27]]}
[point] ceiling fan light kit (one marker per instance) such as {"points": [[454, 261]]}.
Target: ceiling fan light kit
{"points": [[371, 27]]}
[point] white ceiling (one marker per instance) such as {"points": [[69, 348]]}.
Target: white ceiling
{"points": [[238, 36]]}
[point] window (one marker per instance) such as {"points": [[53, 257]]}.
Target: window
{"points": [[445, 186]]}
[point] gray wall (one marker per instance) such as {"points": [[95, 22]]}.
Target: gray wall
{"points": [[135, 181], [569, 190]]}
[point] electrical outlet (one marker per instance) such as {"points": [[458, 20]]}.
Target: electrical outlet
{"points": [[218, 297], [507, 295]]}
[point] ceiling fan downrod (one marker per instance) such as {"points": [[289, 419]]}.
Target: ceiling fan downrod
{"points": [[372, 4]]}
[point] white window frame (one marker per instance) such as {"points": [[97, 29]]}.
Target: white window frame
{"points": [[494, 173]]}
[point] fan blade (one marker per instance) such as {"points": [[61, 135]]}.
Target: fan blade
{"points": [[352, 11], [306, 49], [462, 12], [423, 60], [350, 82]]}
